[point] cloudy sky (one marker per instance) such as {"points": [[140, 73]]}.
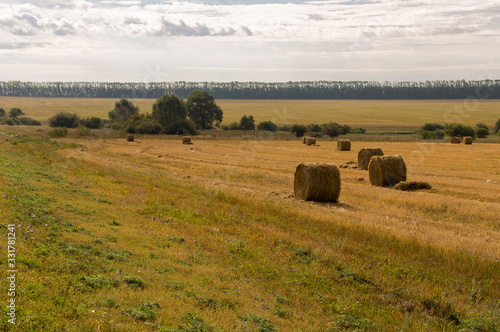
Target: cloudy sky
{"points": [[244, 40]]}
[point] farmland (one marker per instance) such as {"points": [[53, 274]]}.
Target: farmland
{"points": [[374, 115], [154, 235]]}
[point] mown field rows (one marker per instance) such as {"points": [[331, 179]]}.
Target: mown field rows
{"points": [[154, 235]]}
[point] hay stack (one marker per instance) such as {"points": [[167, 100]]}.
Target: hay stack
{"points": [[310, 141], [130, 138], [412, 185], [386, 170], [456, 140], [344, 145], [467, 140], [317, 182], [364, 156], [186, 140]]}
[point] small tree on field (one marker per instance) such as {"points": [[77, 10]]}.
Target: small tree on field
{"points": [[332, 129], [459, 130], [298, 130], [497, 126], [92, 122], [314, 128], [122, 111], [15, 112], [169, 109], [203, 110], [2, 112], [482, 130], [267, 126], [247, 122]]}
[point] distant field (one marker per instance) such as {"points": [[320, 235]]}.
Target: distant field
{"points": [[374, 115]]}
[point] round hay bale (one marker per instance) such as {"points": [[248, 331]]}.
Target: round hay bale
{"points": [[186, 140], [467, 140], [130, 138], [456, 140], [364, 156], [412, 185], [317, 182], [386, 170], [304, 138], [310, 141], [344, 145]]}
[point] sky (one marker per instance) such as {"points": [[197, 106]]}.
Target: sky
{"points": [[244, 40]]}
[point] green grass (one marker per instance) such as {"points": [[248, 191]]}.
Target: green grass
{"points": [[374, 115], [229, 262]]}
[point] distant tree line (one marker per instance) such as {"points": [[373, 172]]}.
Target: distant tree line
{"points": [[438, 131], [481, 89]]}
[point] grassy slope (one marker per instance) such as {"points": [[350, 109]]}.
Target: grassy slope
{"points": [[372, 114], [124, 243]]}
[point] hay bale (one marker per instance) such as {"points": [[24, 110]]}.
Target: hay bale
{"points": [[456, 140], [386, 170], [186, 140], [412, 185], [310, 141], [364, 156], [317, 182], [130, 138], [344, 145], [304, 139], [467, 140]]}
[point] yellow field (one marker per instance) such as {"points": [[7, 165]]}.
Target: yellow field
{"points": [[153, 235], [375, 115]]}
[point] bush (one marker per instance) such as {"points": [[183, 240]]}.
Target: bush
{"points": [[358, 131], [284, 128], [232, 126], [27, 121], [431, 127], [2, 112], [83, 131], [63, 119], [92, 122], [142, 124], [123, 110], [298, 130], [482, 133], [10, 121], [459, 130], [332, 129], [267, 126], [182, 127], [497, 126], [314, 128], [15, 112], [58, 132]]}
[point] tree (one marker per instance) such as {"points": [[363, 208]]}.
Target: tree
{"points": [[142, 124], [122, 111], [482, 130], [459, 130], [92, 122], [15, 112], [314, 128], [64, 119], [431, 127], [267, 126], [298, 130], [203, 110], [497, 126], [169, 109], [247, 122], [2, 112]]}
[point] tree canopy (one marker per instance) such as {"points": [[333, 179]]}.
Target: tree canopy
{"points": [[203, 110], [122, 111], [169, 109]]}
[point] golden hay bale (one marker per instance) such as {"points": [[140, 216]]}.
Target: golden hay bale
{"points": [[130, 138], [364, 156], [186, 140], [304, 138], [456, 140], [344, 145], [467, 140], [310, 141], [317, 182], [386, 170], [412, 185]]}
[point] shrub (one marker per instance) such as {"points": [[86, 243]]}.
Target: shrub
{"points": [[92, 123], [83, 131], [332, 129], [10, 121], [431, 127], [267, 126], [459, 130], [247, 122], [134, 282], [497, 126], [182, 127], [298, 130], [142, 124], [482, 133], [2, 112], [358, 131], [15, 112], [284, 128], [63, 119], [58, 132], [426, 134], [123, 110], [314, 128], [27, 121], [145, 311]]}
